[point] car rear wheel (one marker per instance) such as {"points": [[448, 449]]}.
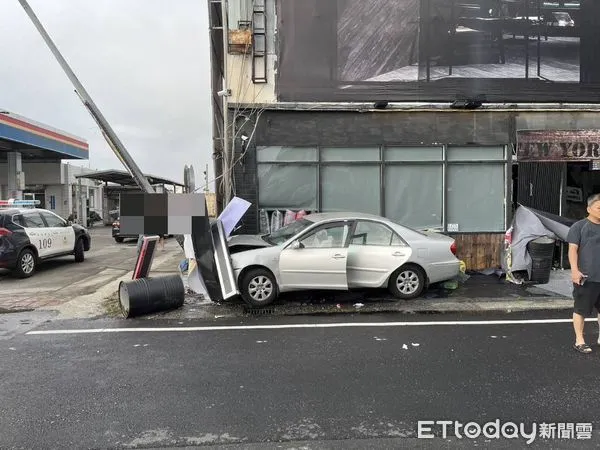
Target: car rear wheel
{"points": [[407, 282], [26, 264], [79, 250], [119, 240], [259, 287]]}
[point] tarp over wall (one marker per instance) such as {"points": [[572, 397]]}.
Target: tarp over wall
{"points": [[529, 224]]}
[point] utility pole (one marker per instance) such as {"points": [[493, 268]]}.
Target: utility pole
{"points": [[113, 140], [206, 189], [227, 168]]}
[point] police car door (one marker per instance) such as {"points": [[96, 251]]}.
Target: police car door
{"points": [[63, 235], [38, 233]]}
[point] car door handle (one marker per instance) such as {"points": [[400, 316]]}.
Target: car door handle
{"points": [[398, 254], [338, 256]]}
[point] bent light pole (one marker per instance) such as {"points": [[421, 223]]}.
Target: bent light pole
{"points": [[113, 140]]}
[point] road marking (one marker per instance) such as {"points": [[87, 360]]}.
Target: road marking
{"points": [[304, 325]]}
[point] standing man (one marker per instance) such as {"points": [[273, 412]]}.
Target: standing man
{"points": [[584, 257]]}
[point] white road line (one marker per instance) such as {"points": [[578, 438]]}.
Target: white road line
{"points": [[304, 325]]}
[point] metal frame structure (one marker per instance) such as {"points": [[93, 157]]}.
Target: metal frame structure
{"points": [[382, 163]]}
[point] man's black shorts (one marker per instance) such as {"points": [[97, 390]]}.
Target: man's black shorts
{"points": [[587, 297]]}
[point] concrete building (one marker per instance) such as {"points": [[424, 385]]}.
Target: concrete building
{"points": [[55, 186], [434, 113]]}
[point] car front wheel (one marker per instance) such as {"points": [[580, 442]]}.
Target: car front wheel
{"points": [[259, 287], [407, 282], [26, 264]]}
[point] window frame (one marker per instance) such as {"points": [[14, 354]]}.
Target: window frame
{"points": [[63, 223], [375, 222], [31, 214], [304, 234], [383, 163]]}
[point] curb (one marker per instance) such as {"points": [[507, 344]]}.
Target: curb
{"points": [[472, 306], [194, 309]]}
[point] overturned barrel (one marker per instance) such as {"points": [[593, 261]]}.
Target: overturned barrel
{"points": [[150, 295]]}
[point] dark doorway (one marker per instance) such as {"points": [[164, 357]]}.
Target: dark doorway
{"points": [[539, 185]]}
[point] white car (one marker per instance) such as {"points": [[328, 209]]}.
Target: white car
{"points": [[340, 251]]}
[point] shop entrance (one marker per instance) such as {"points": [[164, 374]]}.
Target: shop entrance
{"points": [[560, 188], [540, 185]]}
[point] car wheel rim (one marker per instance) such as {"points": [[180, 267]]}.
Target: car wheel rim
{"points": [[408, 282], [27, 263], [260, 288]]}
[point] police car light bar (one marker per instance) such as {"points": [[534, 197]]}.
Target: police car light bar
{"points": [[15, 203]]}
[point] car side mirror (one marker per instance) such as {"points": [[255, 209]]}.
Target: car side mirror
{"points": [[297, 245]]}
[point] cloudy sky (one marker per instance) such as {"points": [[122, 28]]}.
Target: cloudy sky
{"points": [[144, 62]]}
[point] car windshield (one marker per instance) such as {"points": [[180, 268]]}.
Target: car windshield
{"points": [[283, 234]]}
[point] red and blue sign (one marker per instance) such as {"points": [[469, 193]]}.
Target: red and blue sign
{"points": [[18, 129]]}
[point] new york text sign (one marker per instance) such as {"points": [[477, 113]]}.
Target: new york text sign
{"points": [[554, 145]]}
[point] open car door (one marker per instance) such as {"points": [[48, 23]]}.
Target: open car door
{"points": [[317, 259]]}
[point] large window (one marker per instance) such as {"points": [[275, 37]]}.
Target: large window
{"points": [[287, 186], [476, 190], [351, 188], [454, 189], [414, 186]]}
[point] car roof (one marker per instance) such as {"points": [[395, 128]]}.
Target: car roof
{"points": [[8, 211], [318, 217]]}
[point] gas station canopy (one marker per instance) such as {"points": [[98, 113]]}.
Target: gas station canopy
{"points": [[124, 178], [36, 141]]}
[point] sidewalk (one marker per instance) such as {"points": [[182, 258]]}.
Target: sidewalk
{"points": [[96, 295], [480, 293]]}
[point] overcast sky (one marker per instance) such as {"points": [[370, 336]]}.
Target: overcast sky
{"points": [[144, 62]]}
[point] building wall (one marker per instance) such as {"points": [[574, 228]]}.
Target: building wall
{"points": [[243, 90], [239, 66], [59, 182], [411, 130], [36, 173], [371, 129]]}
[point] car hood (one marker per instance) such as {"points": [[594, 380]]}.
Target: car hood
{"points": [[253, 240]]}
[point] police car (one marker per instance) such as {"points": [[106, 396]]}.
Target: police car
{"points": [[30, 235]]}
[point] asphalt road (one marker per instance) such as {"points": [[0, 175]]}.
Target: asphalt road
{"points": [[61, 279], [321, 386]]}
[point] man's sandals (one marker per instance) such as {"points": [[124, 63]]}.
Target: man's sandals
{"points": [[583, 348]]}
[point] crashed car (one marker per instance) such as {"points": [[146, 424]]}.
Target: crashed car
{"points": [[340, 251]]}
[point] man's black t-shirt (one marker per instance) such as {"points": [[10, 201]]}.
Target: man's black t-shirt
{"points": [[586, 235]]}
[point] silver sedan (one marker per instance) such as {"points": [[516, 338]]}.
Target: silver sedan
{"points": [[340, 251]]}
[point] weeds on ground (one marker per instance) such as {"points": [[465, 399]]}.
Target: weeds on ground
{"points": [[112, 306]]}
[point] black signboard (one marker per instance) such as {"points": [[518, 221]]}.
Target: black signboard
{"points": [[438, 50]]}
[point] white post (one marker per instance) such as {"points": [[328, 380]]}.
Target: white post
{"points": [[14, 167]]}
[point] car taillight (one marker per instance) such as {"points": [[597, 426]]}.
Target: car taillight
{"points": [[453, 248], [5, 232]]}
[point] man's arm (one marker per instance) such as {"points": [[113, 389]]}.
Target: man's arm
{"points": [[574, 257], [574, 239]]}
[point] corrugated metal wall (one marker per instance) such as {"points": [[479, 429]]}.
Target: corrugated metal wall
{"points": [[539, 185]]}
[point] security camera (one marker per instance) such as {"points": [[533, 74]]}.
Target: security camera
{"points": [[224, 93], [244, 137]]}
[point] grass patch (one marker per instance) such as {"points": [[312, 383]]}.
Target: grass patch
{"points": [[112, 306]]}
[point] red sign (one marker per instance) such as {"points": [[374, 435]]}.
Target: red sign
{"points": [[554, 145]]}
